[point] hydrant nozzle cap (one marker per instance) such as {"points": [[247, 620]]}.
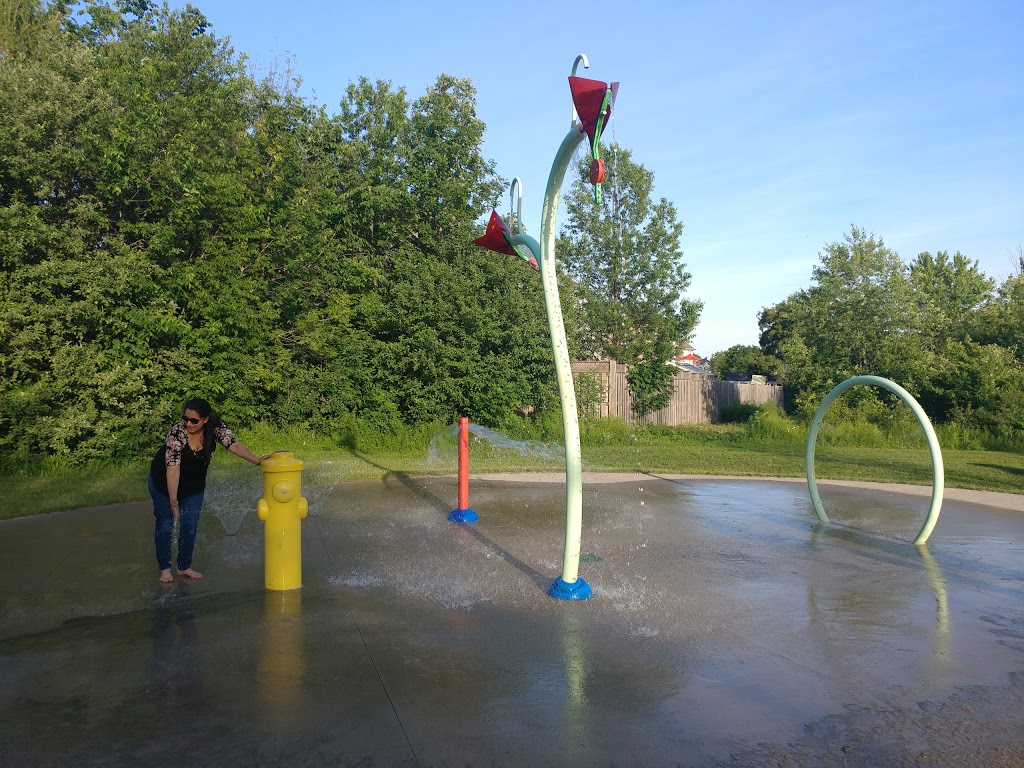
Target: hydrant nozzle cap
{"points": [[281, 461]]}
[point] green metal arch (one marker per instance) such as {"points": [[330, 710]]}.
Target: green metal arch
{"points": [[938, 471]]}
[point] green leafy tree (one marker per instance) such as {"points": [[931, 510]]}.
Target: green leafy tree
{"points": [[76, 303], [1001, 321], [950, 292], [860, 316], [936, 327], [628, 277], [450, 182], [980, 385], [26, 28], [123, 189], [294, 265], [178, 180], [743, 358], [448, 328], [371, 157], [170, 225]]}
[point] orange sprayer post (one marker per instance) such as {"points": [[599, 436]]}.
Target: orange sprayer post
{"points": [[463, 514], [463, 463]]}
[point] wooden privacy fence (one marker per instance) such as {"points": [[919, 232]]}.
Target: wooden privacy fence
{"points": [[696, 399]]}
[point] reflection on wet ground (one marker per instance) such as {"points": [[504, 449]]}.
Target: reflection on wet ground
{"points": [[728, 627]]}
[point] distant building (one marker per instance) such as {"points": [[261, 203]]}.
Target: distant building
{"points": [[691, 362], [752, 378]]}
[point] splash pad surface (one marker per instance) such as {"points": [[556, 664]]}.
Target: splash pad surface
{"points": [[728, 627]]}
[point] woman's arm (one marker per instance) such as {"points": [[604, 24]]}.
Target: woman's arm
{"points": [[241, 451], [173, 475]]}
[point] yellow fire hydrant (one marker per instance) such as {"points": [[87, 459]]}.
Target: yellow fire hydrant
{"points": [[281, 509]]}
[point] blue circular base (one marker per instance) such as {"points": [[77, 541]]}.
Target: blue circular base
{"points": [[463, 516], [578, 590]]}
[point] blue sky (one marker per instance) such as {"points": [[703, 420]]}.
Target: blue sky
{"points": [[772, 127]]}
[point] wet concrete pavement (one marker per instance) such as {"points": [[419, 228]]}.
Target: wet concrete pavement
{"points": [[727, 628]]}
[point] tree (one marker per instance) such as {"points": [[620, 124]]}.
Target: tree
{"points": [[743, 358], [628, 277], [170, 225], [981, 385], [448, 328], [123, 189], [935, 327], [77, 307], [450, 182], [1001, 321], [371, 158], [25, 26], [859, 317], [950, 292]]}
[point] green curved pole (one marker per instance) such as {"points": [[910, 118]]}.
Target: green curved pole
{"points": [[563, 370], [938, 471]]}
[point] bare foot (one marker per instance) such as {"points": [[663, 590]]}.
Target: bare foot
{"points": [[188, 573], [165, 576]]}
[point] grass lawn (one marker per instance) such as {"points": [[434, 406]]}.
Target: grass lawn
{"points": [[707, 451], [978, 470]]}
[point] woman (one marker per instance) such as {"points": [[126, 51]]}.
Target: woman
{"points": [[177, 481]]}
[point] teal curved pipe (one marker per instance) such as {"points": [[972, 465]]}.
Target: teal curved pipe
{"points": [[529, 242], [938, 471], [563, 370]]}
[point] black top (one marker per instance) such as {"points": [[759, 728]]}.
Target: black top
{"points": [[177, 452]]}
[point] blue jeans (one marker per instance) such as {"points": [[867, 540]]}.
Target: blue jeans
{"points": [[188, 523]]}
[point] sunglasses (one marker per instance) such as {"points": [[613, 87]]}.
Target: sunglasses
{"points": [[187, 420]]}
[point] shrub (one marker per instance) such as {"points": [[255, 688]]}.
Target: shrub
{"points": [[899, 426], [738, 413], [851, 434], [957, 436], [1011, 443], [770, 424], [544, 425], [609, 431], [590, 394]]}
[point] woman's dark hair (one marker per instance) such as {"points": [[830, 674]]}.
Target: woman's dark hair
{"points": [[204, 409]]}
